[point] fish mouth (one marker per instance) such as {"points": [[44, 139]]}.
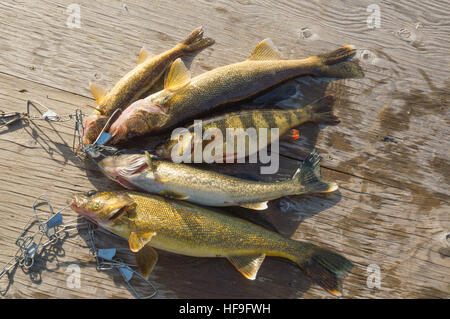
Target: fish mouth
{"points": [[77, 204], [119, 134], [116, 128], [92, 127]]}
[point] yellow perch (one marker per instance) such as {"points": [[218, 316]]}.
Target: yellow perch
{"points": [[184, 98], [319, 112], [137, 82], [148, 221]]}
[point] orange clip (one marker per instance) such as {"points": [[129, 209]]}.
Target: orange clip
{"points": [[295, 134]]}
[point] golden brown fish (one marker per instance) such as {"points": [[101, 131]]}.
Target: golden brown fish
{"points": [[185, 98], [148, 221], [138, 81], [187, 182]]}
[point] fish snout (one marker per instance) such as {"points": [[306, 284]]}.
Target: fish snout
{"points": [[70, 202], [92, 126], [119, 133], [78, 203], [115, 127]]}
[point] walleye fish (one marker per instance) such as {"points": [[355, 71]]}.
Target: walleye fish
{"points": [[184, 98], [186, 182], [179, 227], [137, 82], [319, 112]]}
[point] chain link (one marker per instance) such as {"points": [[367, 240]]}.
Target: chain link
{"points": [[114, 262], [32, 245]]}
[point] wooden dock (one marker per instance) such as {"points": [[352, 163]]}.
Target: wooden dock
{"points": [[389, 155]]}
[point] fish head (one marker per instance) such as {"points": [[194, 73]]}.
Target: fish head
{"points": [[98, 152], [92, 126], [142, 117], [118, 166], [102, 208]]}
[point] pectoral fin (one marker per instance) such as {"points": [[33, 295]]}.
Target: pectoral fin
{"points": [[255, 206], [152, 166], [144, 55], [98, 92], [247, 265], [173, 195], [265, 50], [138, 241], [146, 259], [149, 161], [178, 76]]}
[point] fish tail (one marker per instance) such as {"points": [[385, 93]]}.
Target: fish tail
{"points": [[338, 55], [308, 176], [334, 65], [323, 266], [322, 111], [195, 41]]}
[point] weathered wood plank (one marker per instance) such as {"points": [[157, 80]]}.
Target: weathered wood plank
{"points": [[366, 221], [389, 154], [405, 75]]}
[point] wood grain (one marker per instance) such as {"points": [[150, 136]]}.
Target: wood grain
{"points": [[389, 154]]}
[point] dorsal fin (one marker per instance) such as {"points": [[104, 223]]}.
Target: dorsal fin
{"points": [[265, 50], [255, 206], [144, 55], [178, 76], [247, 265], [98, 92], [137, 241]]}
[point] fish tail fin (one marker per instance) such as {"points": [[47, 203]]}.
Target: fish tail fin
{"points": [[338, 55], [334, 65], [195, 41], [323, 266], [308, 176], [322, 111]]}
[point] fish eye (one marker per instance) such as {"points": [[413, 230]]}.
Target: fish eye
{"points": [[91, 192]]}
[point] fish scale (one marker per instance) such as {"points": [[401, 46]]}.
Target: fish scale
{"points": [[133, 85], [185, 97], [152, 221], [135, 171], [320, 112]]}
